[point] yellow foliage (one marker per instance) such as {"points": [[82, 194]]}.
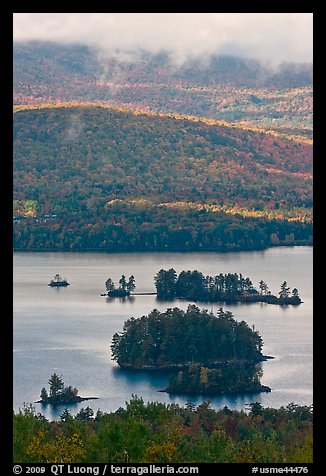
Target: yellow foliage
{"points": [[302, 453], [302, 214], [204, 375], [156, 453], [145, 112], [63, 449]]}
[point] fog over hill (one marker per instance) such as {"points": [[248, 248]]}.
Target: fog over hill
{"points": [[37, 59], [274, 38], [234, 89]]}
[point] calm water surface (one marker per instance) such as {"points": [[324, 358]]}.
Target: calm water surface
{"points": [[69, 330]]}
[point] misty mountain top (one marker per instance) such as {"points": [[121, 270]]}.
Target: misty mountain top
{"points": [[36, 58]]}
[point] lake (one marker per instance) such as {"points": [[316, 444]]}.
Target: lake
{"points": [[69, 330]]}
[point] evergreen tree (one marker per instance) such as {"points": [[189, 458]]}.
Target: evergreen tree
{"points": [[165, 283], [85, 414], [109, 284], [285, 291], [263, 287], [178, 337], [131, 284], [115, 346], [65, 415], [256, 408], [123, 283], [56, 386], [44, 394]]}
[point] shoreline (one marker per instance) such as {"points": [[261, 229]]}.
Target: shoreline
{"points": [[173, 367], [261, 389], [100, 250], [66, 402]]}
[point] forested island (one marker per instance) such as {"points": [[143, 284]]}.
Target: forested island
{"points": [[59, 394], [230, 377], [125, 287], [230, 288], [197, 343]]}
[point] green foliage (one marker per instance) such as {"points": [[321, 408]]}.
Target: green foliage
{"points": [[124, 289], [118, 181], [85, 414], [165, 283], [109, 284], [225, 378], [26, 424], [65, 415], [175, 338], [230, 287], [156, 432], [56, 386], [285, 290], [59, 393]]}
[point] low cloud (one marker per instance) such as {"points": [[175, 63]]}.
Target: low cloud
{"points": [[271, 37]]}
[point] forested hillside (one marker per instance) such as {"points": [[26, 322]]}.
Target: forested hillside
{"points": [[219, 87], [144, 66], [92, 177]]}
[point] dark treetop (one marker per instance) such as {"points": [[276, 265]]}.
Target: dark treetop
{"points": [[60, 394], [230, 287], [177, 338]]}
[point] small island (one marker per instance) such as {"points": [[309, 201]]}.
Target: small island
{"points": [[206, 353], [59, 394], [229, 288], [125, 287], [58, 281], [232, 377]]}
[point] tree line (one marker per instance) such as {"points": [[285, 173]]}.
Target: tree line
{"points": [[124, 226], [154, 432], [229, 287], [89, 177]]}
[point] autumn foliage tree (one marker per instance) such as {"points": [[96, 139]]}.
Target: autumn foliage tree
{"points": [[154, 432]]}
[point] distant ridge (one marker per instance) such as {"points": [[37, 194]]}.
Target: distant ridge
{"points": [[233, 89], [92, 63], [92, 177]]}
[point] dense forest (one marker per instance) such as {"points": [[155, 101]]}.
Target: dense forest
{"points": [[89, 177], [177, 338], [157, 433], [230, 287], [223, 87]]}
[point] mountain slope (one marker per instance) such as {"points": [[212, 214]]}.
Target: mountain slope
{"points": [[36, 57], [77, 161], [220, 87], [158, 157]]}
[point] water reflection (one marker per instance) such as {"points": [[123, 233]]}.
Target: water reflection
{"points": [[69, 330], [129, 299]]}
